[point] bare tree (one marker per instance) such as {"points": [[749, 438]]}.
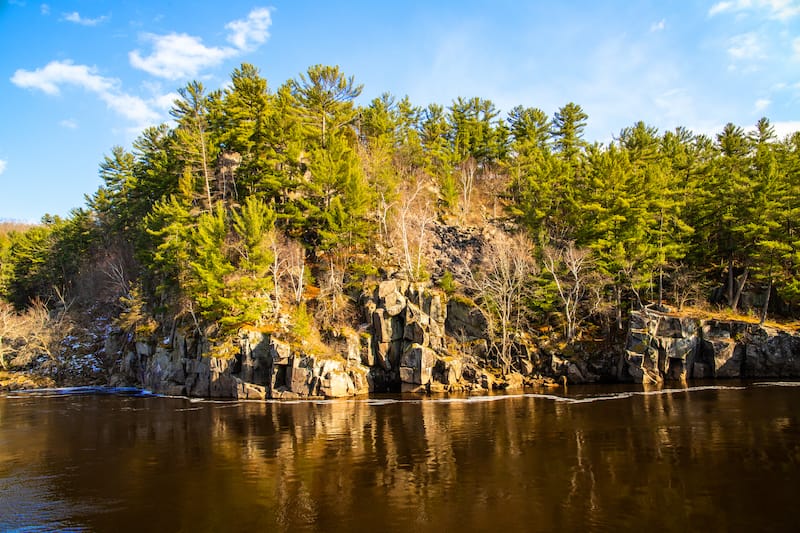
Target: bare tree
{"points": [[570, 268], [414, 214], [332, 301], [289, 270], [686, 287], [502, 284], [467, 173]]}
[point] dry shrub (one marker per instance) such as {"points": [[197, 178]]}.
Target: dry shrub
{"points": [[27, 335]]}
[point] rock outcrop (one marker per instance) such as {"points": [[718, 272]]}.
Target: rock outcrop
{"points": [[663, 347], [420, 340], [411, 339], [263, 367]]}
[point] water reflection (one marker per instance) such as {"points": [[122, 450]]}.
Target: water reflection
{"points": [[721, 458]]}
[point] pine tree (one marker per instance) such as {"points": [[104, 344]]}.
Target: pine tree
{"points": [[567, 130], [193, 142], [324, 101]]}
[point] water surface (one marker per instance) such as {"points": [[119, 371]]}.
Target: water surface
{"points": [[722, 457]]}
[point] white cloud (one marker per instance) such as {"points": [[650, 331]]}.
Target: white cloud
{"points": [[780, 9], [56, 73], [774, 9], [253, 31], [165, 101], [131, 107], [178, 55], [720, 7], [52, 76], [44, 9], [3, 164], [796, 49], [761, 104], [658, 26], [782, 129], [745, 46], [68, 123], [78, 19]]}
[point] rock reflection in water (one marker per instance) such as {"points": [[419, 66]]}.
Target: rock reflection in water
{"points": [[720, 459]]}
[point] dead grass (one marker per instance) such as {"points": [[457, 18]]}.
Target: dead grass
{"points": [[705, 313], [18, 380]]}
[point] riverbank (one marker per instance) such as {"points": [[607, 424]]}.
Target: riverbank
{"points": [[11, 381], [407, 337]]}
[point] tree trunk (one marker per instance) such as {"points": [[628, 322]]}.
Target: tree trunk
{"points": [[206, 176], [730, 281], [740, 288], [766, 300]]}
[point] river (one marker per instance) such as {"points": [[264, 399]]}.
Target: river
{"points": [[723, 456]]}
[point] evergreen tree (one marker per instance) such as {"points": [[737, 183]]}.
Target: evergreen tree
{"points": [[324, 101], [193, 142], [567, 130]]}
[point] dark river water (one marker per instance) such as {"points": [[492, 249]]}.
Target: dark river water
{"points": [[719, 457]]}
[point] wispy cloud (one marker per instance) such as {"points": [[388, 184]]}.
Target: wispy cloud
{"points": [[44, 9], [745, 46], [774, 9], [178, 55], [55, 74], [251, 32], [796, 49], [658, 26], [761, 104], [3, 164], [68, 123], [78, 19], [720, 7]]}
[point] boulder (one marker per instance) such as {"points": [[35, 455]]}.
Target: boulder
{"points": [[279, 352], [416, 365], [298, 381], [335, 384], [415, 333], [248, 391], [725, 358]]}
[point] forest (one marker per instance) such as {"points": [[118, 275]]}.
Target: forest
{"points": [[273, 208]]}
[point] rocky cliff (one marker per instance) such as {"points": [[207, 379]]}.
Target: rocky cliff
{"points": [[411, 338], [663, 347]]}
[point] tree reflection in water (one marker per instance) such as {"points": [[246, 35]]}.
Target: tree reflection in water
{"points": [[718, 458]]}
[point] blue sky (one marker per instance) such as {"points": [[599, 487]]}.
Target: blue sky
{"points": [[77, 78]]}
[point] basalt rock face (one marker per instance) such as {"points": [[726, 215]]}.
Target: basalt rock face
{"points": [[418, 341], [411, 339], [263, 367], [661, 348]]}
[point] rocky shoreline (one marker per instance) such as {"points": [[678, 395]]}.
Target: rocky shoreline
{"points": [[412, 338], [663, 347]]}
